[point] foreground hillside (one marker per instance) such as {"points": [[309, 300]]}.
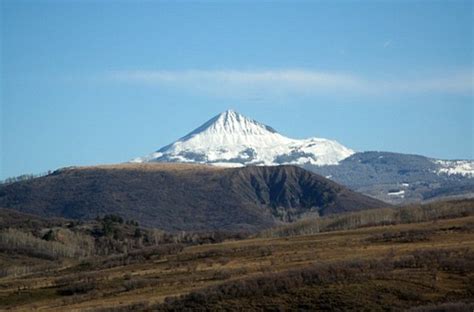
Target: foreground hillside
{"points": [[184, 197], [423, 266]]}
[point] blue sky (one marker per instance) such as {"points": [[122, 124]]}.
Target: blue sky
{"points": [[88, 82]]}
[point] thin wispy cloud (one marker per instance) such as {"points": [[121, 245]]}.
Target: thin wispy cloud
{"points": [[292, 81], [387, 43]]}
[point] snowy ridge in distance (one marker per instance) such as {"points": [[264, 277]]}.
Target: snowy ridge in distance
{"points": [[456, 167]]}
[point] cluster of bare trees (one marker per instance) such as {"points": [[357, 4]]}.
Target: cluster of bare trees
{"points": [[374, 217], [15, 241], [106, 242]]}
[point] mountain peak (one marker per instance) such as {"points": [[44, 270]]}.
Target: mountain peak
{"points": [[231, 115], [230, 111], [231, 121], [230, 118]]}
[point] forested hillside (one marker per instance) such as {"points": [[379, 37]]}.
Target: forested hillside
{"points": [[177, 197]]}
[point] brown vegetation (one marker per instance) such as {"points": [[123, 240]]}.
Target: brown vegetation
{"points": [[106, 242], [421, 266], [264, 291], [384, 216]]}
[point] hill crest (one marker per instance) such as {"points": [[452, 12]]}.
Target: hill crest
{"points": [[191, 198]]}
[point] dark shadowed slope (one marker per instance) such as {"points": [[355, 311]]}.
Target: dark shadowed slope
{"points": [[184, 197]]}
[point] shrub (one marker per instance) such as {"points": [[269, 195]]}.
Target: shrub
{"points": [[76, 288], [410, 236]]}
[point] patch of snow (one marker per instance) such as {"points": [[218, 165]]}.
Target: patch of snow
{"points": [[456, 167], [227, 164], [400, 193], [146, 158]]}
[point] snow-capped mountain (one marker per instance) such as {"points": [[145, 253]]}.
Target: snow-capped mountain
{"points": [[231, 139]]}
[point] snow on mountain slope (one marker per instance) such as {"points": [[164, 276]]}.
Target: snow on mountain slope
{"points": [[231, 139], [457, 167]]}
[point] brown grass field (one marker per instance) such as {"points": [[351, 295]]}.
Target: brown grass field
{"points": [[433, 265]]}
